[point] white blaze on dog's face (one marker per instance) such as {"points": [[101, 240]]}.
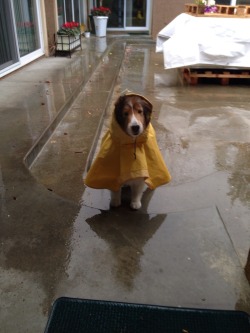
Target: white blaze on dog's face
{"points": [[132, 114]]}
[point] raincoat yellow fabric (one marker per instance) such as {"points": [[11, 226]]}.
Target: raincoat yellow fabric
{"points": [[122, 158]]}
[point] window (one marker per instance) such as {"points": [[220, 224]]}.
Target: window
{"points": [[68, 11]]}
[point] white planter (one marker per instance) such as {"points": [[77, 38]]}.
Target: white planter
{"points": [[68, 43], [100, 25]]}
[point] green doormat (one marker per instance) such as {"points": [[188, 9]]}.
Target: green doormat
{"points": [[90, 316]]}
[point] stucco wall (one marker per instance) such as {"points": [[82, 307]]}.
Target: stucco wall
{"points": [[164, 11]]}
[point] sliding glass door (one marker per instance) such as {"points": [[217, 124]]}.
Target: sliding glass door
{"points": [[128, 14], [116, 19], [136, 13], [20, 40], [8, 47]]}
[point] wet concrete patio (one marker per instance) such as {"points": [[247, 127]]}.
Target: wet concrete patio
{"points": [[188, 244]]}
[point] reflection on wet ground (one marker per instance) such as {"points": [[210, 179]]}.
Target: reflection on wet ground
{"points": [[187, 245], [154, 258], [126, 239]]}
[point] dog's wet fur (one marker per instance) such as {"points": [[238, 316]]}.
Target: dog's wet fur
{"points": [[133, 114]]}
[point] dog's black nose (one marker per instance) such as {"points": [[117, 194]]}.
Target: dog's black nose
{"points": [[135, 129]]}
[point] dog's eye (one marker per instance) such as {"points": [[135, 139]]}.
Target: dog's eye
{"points": [[125, 114], [139, 111]]}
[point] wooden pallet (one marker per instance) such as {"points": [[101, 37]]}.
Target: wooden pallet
{"points": [[192, 75], [223, 11]]}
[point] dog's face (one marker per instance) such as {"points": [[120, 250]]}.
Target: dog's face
{"points": [[133, 114]]}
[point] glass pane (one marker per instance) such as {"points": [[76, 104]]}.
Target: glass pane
{"points": [[223, 2], [136, 13], [76, 11], [26, 26], [243, 2], [8, 54], [61, 16], [69, 13], [117, 13]]}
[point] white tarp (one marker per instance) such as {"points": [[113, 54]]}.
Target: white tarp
{"points": [[205, 41]]}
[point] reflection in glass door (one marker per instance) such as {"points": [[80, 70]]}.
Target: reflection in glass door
{"points": [[116, 19], [26, 26], [136, 13]]}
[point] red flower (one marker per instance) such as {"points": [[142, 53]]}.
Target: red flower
{"points": [[70, 25], [100, 11], [69, 28]]}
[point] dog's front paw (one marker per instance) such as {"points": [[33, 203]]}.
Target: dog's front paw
{"points": [[135, 205]]}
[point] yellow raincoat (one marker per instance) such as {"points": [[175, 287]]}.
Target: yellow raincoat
{"points": [[122, 157]]}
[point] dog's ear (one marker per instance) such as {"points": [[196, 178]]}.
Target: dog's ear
{"points": [[147, 110], [118, 110]]}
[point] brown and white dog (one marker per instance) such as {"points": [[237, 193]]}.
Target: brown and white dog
{"points": [[133, 114], [129, 154]]}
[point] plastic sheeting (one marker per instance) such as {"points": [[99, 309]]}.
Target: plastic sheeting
{"points": [[205, 42]]}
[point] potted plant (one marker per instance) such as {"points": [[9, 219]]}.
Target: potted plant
{"points": [[68, 36], [100, 11], [100, 16], [211, 7], [69, 29]]}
